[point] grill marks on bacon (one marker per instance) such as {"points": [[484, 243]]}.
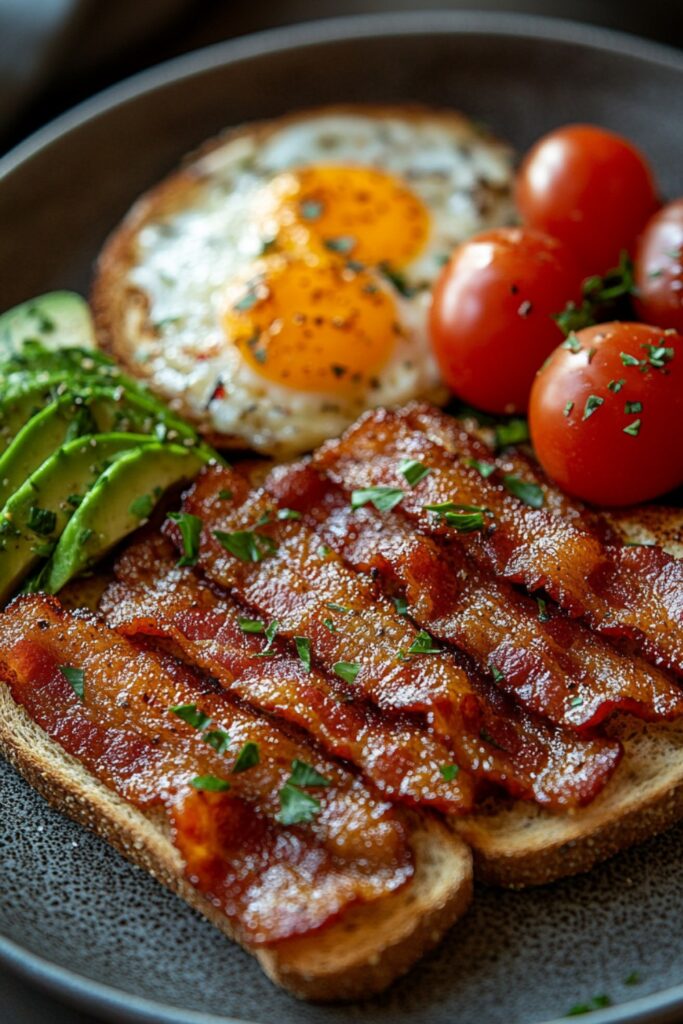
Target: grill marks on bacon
{"points": [[635, 594], [304, 587], [273, 882], [151, 596], [555, 668]]}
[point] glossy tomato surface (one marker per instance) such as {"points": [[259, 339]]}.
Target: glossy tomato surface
{"points": [[606, 413], [659, 268], [491, 318], [590, 188]]}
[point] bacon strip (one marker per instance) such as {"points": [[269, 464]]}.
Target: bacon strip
{"points": [[151, 596], [353, 628], [634, 594], [556, 668], [273, 881]]}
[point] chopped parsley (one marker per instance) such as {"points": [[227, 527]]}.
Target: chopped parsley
{"points": [[247, 758], [218, 739], [593, 402], [484, 469], [615, 386], [603, 298], [75, 677], [337, 607], [401, 605], [413, 471], [225, 494], [270, 634], [397, 279], [247, 545], [572, 343], [41, 521], [423, 644], [342, 243], [498, 676], [465, 518], [631, 408], [191, 714], [142, 507], [209, 784], [305, 775], [633, 978], [324, 551], [383, 498], [346, 670], [303, 649], [543, 613], [251, 625], [596, 1003], [288, 513], [515, 431], [568, 407], [449, 771], [633, 428], [658, 355], [190, 531], [530, 493], [576, 702], [628, 360], [329, 624]]}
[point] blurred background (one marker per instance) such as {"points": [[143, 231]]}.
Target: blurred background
{"points": [[55, 53]]}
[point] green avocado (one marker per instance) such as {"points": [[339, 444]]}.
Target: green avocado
{"points": [[72, 416], [56, 320], [122, 499], [35, 516]]}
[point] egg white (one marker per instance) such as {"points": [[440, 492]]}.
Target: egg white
{"points": [[185, 259]]}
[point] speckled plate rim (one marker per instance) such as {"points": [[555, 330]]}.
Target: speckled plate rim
{"points": [[114, 1003]]}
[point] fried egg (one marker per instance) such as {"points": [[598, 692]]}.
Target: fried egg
{"points": [[279, 284]]}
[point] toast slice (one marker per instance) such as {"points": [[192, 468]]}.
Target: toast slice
{"points": [[517, 844], [358, 955]]}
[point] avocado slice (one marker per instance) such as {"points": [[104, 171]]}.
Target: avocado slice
{"points": [[35, 516], [121, 501], [56, 320], [74, 415]]}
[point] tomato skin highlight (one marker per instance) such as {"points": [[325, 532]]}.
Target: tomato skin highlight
{"points": [[659, 268], [589, 187], [577, 422], [491, 316]]}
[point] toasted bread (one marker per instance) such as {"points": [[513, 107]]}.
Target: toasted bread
{"points": [[356, 956]]}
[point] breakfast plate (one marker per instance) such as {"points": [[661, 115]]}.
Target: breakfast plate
{"points": [[85, 923]]}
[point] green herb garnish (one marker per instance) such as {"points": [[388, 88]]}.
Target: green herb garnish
{"points": [[633, 407], [247, 758], [41, 521], [603, 299], [401, 605], [383, 498], [190, 531], [296, 806], [633, 428], [596, 1003], [449, 771], [543, 613], [615, 386], [484, 469], [305, 775], [346, 670], [246, 545], [270, 634], [251, 625], [423, 644], [465, 518], [75, 677], [593, 402], [218, 739], [530, 493], [288, 513], [191, 714], [209, 784], [413, 471], [303, 649]]}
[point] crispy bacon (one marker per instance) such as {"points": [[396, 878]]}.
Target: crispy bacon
{"points": [[551, 664], [152, 596], [273, 881], [282, 571], [634, 594]]}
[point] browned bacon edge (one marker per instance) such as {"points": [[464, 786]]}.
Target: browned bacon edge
{"points": [[282, 572], [554, 666], [274, 880], [152, 596], [633, 594]]}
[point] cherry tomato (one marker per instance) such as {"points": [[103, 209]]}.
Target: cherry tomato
{"points": [[659, 268], [491, 317], [590, 188], [606, 413]]}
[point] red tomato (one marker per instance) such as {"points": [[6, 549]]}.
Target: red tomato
{"points": [[659, 268], [590, 188], [491, 317], [606, 413]]}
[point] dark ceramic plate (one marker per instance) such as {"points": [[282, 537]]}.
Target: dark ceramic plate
{"points": [[74, 917]]}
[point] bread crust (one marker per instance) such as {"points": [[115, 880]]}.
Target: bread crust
{"points": [[121, 311], [355, 957]]}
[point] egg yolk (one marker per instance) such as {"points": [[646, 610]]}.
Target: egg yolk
{"points": [[358, 213], [312, 324]]}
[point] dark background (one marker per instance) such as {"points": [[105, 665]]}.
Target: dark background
{"points": [[97, 43]]}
